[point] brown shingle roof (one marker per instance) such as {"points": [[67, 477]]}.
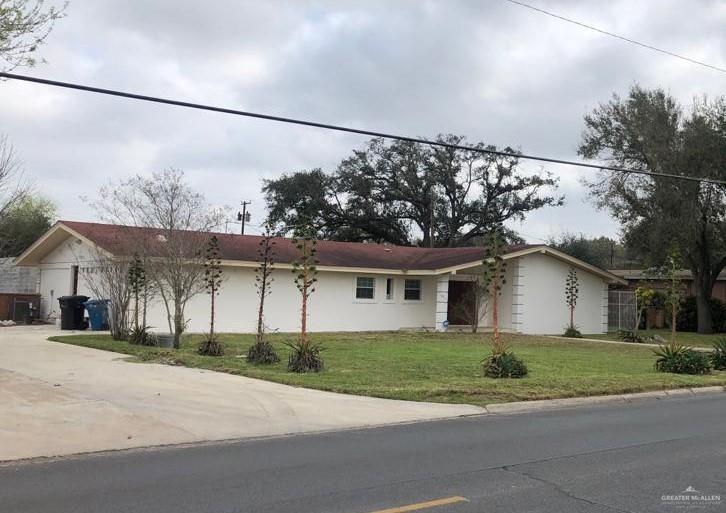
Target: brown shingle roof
{"points": [[118, 240]]}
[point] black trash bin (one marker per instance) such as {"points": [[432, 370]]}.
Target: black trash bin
{"points": [[72, 309]]}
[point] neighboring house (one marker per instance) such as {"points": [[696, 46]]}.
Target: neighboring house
{"points": [[634, 278], [18, 290], [361, 286]]}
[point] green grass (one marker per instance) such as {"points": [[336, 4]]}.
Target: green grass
{"points": [[434, 367], [686, 338]]}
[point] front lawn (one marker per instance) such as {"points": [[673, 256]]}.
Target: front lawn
{"points": [[684, 337], [434, 366]]}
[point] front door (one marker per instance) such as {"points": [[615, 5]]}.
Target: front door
{"points": [[461, 301]]}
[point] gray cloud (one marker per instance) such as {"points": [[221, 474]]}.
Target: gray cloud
{"points": [[490, 70]]}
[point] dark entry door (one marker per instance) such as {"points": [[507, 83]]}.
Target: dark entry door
{"points": [[460, 302]]}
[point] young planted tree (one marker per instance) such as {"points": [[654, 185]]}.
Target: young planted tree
{"points": [[140, 293], [262, 351], [500, 363], [674, 289], [493, 279], [572, 292], [213, 281], [305, 356]]}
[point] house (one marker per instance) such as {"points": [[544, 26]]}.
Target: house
{"points": [[635, 277], [622, 298], [360, 287]]}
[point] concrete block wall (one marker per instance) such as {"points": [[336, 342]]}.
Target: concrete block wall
{"points": [[19, 280]]}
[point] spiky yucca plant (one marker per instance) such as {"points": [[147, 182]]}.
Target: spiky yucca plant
{"points": [[262, 351], [210, 346]]}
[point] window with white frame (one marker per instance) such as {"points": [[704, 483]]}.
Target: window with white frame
{"points": [[389, 289], [412, 290], [365, 287]]}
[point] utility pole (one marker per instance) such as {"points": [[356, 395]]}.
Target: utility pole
{"points": [[244, 216], [433, 219]]}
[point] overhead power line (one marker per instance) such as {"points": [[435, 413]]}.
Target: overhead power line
{"points": [[617, 36], [360, 131]]}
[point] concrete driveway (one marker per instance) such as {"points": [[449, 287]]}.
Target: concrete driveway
{"points": [[57, 399]]}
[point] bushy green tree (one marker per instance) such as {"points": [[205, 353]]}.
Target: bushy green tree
{"points": [[409, 193], [23, 223], [649, 130], [602, 252]]}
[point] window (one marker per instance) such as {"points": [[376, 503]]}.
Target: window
{"points": [[389, 289], [365, 288], [412, 290]]}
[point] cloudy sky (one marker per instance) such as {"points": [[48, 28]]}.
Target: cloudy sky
{"points": [[487, 69]]}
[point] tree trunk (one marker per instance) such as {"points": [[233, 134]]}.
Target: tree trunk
{"points": [[495, 319], [704, 286], [304, 317], [178, 325], [703, 309], [261, 310], [211, 320], [136, 308]]}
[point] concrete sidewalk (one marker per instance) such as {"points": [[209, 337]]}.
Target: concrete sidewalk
{"points": [[57, 399]]}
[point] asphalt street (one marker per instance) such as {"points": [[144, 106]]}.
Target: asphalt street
{"points": [[649, 456]]}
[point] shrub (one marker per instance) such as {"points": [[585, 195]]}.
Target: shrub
{"points": [[504, 365], [679, 359], [142, 336], [305, 357], [262, 353], [210, 346], [630, 336], [718, 356], [687, 319], [572, 332]]}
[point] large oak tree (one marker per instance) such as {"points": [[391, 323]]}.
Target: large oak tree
{"points": [[648, 129], [410, 193]]}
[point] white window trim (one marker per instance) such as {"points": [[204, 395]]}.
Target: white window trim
{"points": [[420, 291], [355, 287], [395, 287]]}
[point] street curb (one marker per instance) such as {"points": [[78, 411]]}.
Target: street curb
{"points": [[555, 404]]}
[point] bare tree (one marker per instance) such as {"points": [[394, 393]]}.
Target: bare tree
{"points": [[180, 221], [14, 188], [107, 277], [24, 27]]}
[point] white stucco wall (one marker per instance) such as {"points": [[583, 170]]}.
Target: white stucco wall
{"points": [[541, 307], [56, 276], [332, 307]]}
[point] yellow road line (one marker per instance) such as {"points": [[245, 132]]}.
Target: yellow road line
{"points": [[423, 505]]}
